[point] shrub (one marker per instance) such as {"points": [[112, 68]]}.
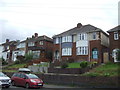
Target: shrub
{"points": [[4, 62], [64, 65], [17, 62], [106, 74], [83, 64], [29, 56]]}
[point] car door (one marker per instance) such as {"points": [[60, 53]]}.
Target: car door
{"points": [[22, 80]]}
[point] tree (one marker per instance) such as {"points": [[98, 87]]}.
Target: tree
{"points": [[29, 56]]}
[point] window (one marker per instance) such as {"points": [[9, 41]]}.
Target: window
{"points": [[82, 50], [30, 44], [94, 35], [36, 54], [57, 40], [66, 51], [116, 36], [67, 39], [41, 42], [82, 36], [95, 53]]}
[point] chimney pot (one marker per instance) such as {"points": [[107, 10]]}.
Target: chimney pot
{"points": [[79, 25], [7, 40], [36, 35]]}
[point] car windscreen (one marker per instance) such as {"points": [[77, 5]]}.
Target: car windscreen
{"points": [[33, 76], [2, 75]]}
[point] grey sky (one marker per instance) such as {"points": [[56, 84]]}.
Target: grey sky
{"points": [[22, 18]]}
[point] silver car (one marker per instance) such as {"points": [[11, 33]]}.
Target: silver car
{"points": [[4, 80]]}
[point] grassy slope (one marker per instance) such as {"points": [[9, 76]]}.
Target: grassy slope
{"points": [[7, 69], [108, 69]]}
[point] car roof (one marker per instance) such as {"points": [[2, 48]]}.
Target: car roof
{"points": [[24, 70]]}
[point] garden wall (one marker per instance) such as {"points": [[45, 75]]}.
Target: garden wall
{"points": [[68, 70], [82, 81]]}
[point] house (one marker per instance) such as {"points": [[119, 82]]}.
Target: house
{"points": [[20, 50], [1, 49], [114, 38], [40, 46], [81, 43], [7, 49]]}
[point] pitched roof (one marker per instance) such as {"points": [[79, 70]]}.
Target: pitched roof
{"points": [[117, 28], [10, 43], [39, 39], [82, 29]]}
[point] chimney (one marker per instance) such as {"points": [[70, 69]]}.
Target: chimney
{"points": [[79, 25], [36, 35], [32, 36], [7, 40]]}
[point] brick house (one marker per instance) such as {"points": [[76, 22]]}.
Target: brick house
{"points": [[7, 49], [40, 46], [81, 43], [114, 38]]}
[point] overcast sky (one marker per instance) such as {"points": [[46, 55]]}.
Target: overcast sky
{"points": [[20, 19]]}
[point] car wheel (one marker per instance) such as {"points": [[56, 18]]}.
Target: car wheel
{"points": [[7, 86], [27, 85], [13, 83]]}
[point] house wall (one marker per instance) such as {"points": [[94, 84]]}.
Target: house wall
{"points": [[104, 40], [1, 49], [113, 44], [90, 36], [4, 54], [96, 44]]}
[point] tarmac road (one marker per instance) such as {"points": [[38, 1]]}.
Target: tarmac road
{"points": [[45, 87]]}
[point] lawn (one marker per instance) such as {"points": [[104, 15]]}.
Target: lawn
{"points": [[108, 69], [16, 66], [13, 67], [73, 65]]}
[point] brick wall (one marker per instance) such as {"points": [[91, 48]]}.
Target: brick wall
{"points": [[82, 81], [113, 43]]}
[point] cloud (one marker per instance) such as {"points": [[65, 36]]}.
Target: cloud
{"points": [[48, 17]]}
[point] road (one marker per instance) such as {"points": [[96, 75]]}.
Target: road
{"points": [[45, 87]]}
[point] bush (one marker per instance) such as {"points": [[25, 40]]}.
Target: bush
{"points": [[4, 62], [83, 64], [64, 65], [17, 62], [28, 56]]}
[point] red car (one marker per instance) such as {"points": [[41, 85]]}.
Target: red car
{"points": [[26, 80]]}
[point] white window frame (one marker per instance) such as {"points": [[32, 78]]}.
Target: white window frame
{"points": [[116, 36], [66, 51], [66, 39], [31, 44], [82, 50], [41, 42], [57, 40], [82, 36]]}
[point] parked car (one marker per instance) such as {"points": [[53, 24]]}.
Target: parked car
{"points": [[4, 80], [27, 80]]}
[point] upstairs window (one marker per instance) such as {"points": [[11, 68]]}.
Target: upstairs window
{"points": [[30, 44], [57, 40], [41, 42], [116, 36], [67, 39], [82, 36], [94, 35]]}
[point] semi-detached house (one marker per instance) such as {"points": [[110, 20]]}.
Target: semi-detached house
{"points": [[81, 43], [114, 38]]}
